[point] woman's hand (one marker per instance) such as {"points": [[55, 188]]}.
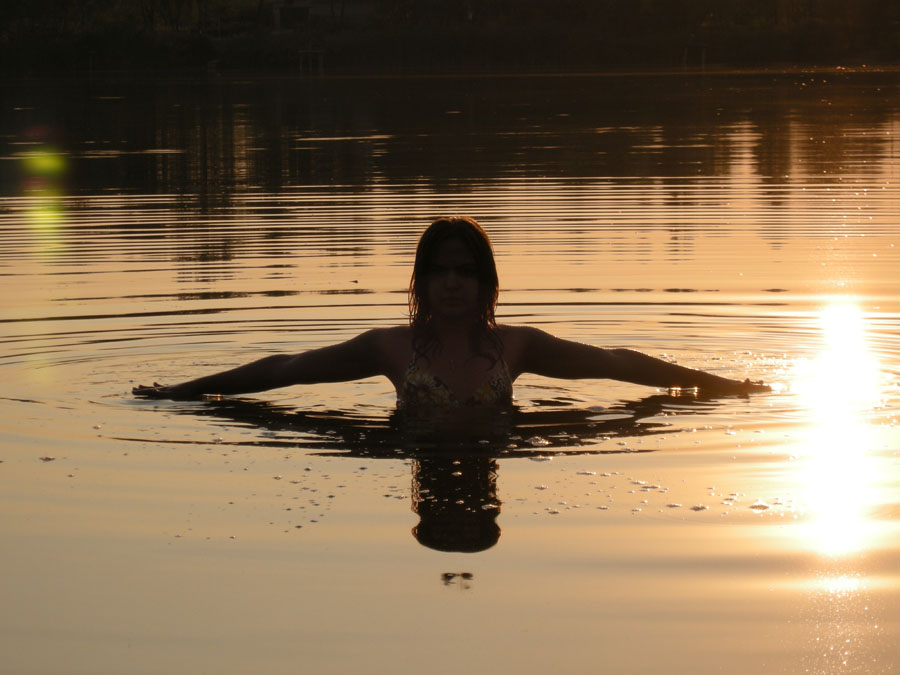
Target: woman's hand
{"points": [[183, 391], [157, 390]]}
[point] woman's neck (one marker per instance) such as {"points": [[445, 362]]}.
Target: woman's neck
{"points": [[453, 339]]}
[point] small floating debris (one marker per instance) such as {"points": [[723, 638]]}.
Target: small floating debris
{"points": [[699, 507], [759, 505], [537, 442], [47, 458], [540, 458], [587, 473], [540, 487], [489, 507], [673, 505]]}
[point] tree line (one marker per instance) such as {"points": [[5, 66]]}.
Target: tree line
{"points": [[444, 34]]}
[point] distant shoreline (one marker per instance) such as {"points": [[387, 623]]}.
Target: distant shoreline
{"points": [[210, 75]]}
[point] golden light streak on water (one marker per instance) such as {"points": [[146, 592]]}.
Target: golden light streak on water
{"points": [[841, 585], [839, 387]]}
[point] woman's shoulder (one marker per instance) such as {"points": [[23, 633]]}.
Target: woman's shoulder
{"points": [[392, 339], [515, 341], [516, 335], [394, 345], [392, 333]]}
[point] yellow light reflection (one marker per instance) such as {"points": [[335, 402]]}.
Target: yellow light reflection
{"points": [[44, 170], [839, 388], [45, 162]]}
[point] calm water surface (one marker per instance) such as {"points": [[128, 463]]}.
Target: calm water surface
{"points": [[157, 230]]}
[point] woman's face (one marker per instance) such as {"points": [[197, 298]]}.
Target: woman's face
{"points": [[453, 282]]}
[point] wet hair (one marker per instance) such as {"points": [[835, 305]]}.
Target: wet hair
{"points": [[468, 232]]}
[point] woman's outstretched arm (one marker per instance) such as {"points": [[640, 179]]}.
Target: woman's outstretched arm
{"points": [[544, 354], [363, 356]]}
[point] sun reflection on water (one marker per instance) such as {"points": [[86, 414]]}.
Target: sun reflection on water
{"points": [[841, 585], [839, 388]]}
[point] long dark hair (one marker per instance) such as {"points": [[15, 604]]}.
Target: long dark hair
{"points": [[475, 239]]}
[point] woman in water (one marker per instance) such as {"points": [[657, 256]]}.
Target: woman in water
{"points": [[453, 352]]}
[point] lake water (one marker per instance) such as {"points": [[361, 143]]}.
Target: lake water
{"points": [[743, 223]]}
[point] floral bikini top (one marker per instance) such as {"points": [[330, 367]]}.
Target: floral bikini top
{"points": [[423, 389]]}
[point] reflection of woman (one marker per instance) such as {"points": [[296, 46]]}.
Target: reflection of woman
{"points": [[456, 500], [453, 353]]}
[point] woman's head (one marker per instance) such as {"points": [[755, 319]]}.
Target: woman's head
{"points": [[463, 244]]}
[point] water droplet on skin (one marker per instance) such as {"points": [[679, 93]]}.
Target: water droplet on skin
{"points": [[540, 458], [673, 506]]}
